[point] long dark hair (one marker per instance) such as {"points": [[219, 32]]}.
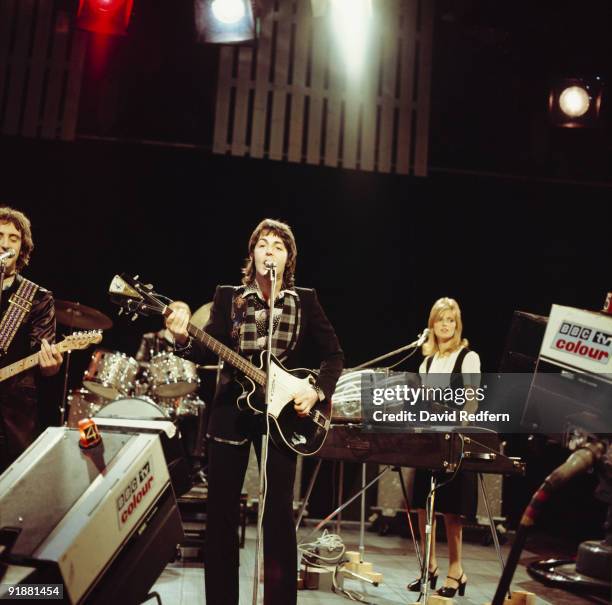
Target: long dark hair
{"points": [[22, 223], [281, 230]]}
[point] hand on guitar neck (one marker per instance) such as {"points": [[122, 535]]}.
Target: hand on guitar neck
{"points": [[177, 323], [49, 359]]}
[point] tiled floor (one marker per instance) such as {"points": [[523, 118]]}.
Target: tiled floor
{"points": [[183, 583]]}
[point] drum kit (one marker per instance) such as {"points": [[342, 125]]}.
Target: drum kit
{"points": [[117, 385]]}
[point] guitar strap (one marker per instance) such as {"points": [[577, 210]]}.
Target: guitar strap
{"points": [[20, 304]]}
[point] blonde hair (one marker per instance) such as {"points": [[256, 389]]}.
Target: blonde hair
{"points": [[440, 306]]}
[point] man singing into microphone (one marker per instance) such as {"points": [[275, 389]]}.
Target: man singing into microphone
{"points": [[27, 325], [302, 336]]}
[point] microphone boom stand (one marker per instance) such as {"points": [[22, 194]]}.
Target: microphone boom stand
{"points": [[263, 459]]}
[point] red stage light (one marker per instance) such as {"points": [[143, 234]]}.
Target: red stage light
{"points": [[104, 16]]}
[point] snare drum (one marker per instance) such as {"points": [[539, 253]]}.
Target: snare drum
{"points": [[171, 376], [83, 404], [138, 408], [110, 374]]}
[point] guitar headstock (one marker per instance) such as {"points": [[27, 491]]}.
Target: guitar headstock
{"points": [[81, 340], [135, 297]]}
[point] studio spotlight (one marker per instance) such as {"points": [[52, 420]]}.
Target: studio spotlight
{"points": [[104, 16], [575, 102], [351, 20], [224, 21]]}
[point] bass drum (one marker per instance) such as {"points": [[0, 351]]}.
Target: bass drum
{"points": [[136, 408]]}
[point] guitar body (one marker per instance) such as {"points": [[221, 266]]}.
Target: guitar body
{"points": [[304, 435]]}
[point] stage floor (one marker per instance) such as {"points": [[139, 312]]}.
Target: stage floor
{"points": [[182, 583]]}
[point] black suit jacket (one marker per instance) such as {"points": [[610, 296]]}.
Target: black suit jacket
{"points": [[317, 346], [19, 414]]}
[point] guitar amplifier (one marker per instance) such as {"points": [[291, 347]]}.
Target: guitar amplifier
{"points": [[572, 385], [103, 522]]}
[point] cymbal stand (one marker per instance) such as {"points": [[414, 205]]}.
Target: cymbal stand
{"points": [[63, 420]]}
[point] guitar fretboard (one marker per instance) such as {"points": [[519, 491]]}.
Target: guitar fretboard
{"points": [[228, 355], [29, 362]]}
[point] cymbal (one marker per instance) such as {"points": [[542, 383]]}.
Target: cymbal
{"points": [[200, 318], [76, 315]]}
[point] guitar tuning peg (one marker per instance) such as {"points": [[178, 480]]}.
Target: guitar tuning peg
{"points": [[136, 276], [120, 310], [135, 317]]}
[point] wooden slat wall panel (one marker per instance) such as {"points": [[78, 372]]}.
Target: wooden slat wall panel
{"points": [[388, 100], [370, 107], [319, 59], [54, 86], [223, 100], [281, 79], [41, 65], [73, 92], [262, 85], [19, 67], [7, 11], [37, 70], [407, 58], [303, 29], [423, 101], [245, 59], [372, 124]]}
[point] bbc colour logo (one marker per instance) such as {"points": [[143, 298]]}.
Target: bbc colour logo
{"points": [[584, 342]]}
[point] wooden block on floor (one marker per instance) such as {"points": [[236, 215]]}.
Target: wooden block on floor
{"points": [[365, 568], [352, 556], [435, 600], [438, 600], [520, 597], [374, 576]]}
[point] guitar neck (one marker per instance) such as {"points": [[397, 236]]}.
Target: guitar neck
{"points": [[228, 355], [26, 363]]}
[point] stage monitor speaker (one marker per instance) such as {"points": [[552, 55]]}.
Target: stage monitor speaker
{"points": [[523, 342], [103, 522]]}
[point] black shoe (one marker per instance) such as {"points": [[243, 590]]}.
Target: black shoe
{"points": [[415, 586], [447, 591]]}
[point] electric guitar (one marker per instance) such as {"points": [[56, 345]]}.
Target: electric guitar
{"points": [[302, 434], [78, 340]]}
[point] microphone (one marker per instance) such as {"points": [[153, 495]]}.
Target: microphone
{"points": [[8, 254], [422, 337], [270, 264]]}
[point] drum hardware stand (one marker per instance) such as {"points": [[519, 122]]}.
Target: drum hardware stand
{"points": [[485, 498], [340, 494], [263, 459], [63, 420], [429, 522], [354, 497]]}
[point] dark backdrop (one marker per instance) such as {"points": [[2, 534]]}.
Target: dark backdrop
{"points": [[379, 249]]}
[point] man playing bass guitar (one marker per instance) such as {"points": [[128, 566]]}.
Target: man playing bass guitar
{"points": [[302, 337]]}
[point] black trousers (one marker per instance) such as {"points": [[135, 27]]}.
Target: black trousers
{"points": [[226, 469]]}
